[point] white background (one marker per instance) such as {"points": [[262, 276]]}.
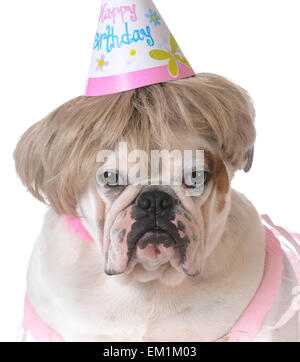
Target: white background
{"points": [[45, 55]]}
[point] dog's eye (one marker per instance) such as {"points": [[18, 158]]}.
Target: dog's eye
{"points": [[108, 178], [197, 179]]}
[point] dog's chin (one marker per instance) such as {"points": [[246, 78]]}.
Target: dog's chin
{"points": [[156, 261], [166, 274], [155, 248]]}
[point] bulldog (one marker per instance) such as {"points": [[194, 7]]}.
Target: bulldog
{"points": [[150, 261]]}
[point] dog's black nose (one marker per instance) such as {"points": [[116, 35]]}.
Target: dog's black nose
{"points": [[155, 202]]}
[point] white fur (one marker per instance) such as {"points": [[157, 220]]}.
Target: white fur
{"points": [[68, 289]]}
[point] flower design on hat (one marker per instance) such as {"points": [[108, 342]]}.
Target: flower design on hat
{"points": [[174, 56], [153, 16], [101, 63]]}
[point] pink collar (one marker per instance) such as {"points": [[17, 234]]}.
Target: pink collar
{"points": [[248, 325]]}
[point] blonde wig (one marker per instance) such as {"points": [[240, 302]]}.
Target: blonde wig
{"points": [[56, 157]]}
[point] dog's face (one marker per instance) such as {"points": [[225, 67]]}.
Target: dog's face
{"points": [[159, 231]]}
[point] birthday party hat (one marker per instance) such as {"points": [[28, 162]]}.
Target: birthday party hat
{"points": [[133, 48]]}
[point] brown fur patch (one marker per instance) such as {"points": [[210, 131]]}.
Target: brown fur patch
{"points": [[219, 175]]}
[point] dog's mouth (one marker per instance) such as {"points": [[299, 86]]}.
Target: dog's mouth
{"points": [[151, 241], [156, 237], [155, 246], [155, 250]]}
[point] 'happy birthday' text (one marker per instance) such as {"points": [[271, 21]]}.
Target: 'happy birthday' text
{"points": [[122, 11], [112, 41]]}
